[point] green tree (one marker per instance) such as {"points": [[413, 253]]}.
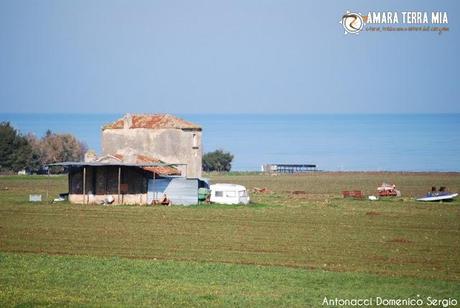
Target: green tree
{"points": [[19, 152], [35, 162], [217, 161], [15, 150]]}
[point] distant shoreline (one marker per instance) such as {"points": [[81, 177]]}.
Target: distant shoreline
{"points": [[236, 173], [337, 172], [335, 143]]}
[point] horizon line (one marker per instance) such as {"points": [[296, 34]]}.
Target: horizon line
{"points": [[234, 113]]}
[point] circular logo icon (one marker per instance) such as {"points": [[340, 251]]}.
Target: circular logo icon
{"points": [[352, 22]]}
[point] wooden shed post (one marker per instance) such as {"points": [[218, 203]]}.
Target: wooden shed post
{"points": [[153, 192], [48, 185], [119, 183], [84, 185]]}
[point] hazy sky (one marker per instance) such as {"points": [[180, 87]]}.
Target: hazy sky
{"points": [[213, 56]]}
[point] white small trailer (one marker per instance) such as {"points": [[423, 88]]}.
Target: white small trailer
{"points": [[229, 194]]}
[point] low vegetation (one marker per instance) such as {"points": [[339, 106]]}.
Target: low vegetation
{"points": [[37, 279], [298, 241]]}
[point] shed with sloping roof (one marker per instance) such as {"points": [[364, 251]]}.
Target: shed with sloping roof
{"points": [[122, 180]]}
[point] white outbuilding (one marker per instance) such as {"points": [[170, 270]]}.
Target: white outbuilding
{"points": [[229, 194]]}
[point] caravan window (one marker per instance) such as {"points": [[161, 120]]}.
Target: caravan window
{"points": [[219, 193], [242, 193], [230, 194]]}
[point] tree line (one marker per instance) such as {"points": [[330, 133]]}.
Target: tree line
{"points": [[27, 152]]}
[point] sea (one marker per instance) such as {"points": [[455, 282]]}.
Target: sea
{"points": [[334, 142]]}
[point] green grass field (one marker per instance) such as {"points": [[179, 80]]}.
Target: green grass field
{"points": [[294, 245]]}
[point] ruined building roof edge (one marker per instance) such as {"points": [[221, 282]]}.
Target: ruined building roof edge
{"points": [[151, 121]]}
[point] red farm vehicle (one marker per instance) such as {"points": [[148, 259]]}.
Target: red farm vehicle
{"points": [[388, 190]]}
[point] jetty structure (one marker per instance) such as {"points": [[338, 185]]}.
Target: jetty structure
{"points": [[289, 168]]}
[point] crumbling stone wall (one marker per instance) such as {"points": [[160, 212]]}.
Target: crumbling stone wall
{"points": [[180, 146]]}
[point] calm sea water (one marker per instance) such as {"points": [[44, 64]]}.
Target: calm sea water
{"points": [[333, 142]]}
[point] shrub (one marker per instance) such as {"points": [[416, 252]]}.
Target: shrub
{"points": [[217, 161]]}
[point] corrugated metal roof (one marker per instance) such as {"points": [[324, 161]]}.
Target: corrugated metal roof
{"points": [[152, 121], [147, 163], [82, 164], [162, 170]]}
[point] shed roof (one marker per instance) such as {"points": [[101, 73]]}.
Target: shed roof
{"points": [[165, 169], [147, 163], [95, 164], [152, 121]]}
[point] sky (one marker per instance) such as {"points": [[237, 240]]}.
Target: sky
{"points": [[241, 56]]}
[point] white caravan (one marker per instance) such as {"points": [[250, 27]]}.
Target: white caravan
{"points": [[229, 194]]}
